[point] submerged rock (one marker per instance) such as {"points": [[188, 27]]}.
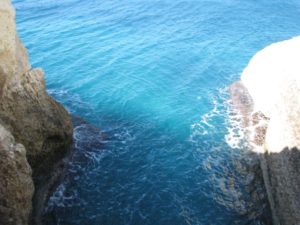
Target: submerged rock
{"points": [[272, 79], [34, 119]]}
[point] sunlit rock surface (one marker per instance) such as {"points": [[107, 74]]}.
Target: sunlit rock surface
{"points": [[37, 121], [29, 116], [273, 81], [268, 72]]}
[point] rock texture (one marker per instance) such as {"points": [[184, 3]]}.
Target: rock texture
{"points": [[34, 119], [16, 186], [272, 79], [269, 71], [37, 121]]}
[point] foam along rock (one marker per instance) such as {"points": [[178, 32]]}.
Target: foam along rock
{"points": [[273, 81]]}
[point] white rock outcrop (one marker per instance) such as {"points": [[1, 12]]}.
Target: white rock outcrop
{"points": [[269, 71], [273, 82]]}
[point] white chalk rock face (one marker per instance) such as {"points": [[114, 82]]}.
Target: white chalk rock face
{"points": [[268, 70], [284, 126], [273, 81]]}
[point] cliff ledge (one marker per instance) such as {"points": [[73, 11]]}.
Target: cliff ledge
{"points": [[272, 81], [33, 126]]}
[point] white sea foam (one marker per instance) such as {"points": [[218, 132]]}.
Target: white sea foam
{"points": [[57, 199], [240, 136], [235, 131], [205, 125], [222, 108]]}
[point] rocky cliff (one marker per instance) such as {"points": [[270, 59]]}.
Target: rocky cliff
{"points": [[16, 187], [272, 81], [29, 116]]}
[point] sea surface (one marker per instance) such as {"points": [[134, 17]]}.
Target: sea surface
{"points": [[152, 75]]}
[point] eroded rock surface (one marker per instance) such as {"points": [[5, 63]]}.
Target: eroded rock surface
{"points": [[16, 186], [272, 79], [34, 119]]}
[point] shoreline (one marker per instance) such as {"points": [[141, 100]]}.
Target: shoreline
{"points": [[271, 80], [60, 171]]}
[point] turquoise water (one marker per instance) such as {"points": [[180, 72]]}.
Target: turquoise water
{"points": [[152, 75]]}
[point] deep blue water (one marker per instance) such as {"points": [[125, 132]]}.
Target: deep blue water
{"points": [[152, 75]]}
